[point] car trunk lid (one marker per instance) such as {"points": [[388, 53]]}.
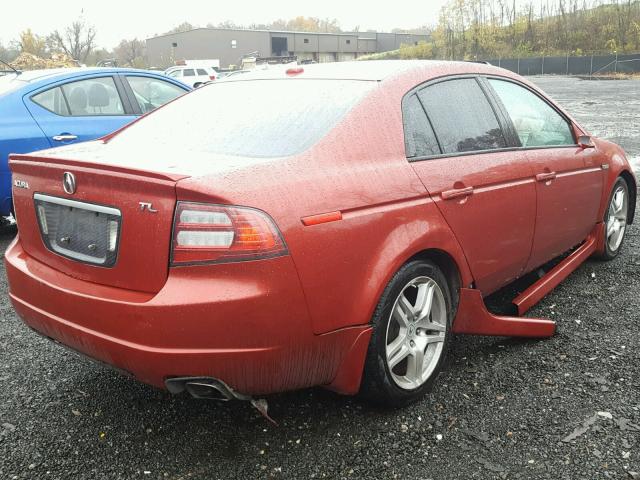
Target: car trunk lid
{"points": [[113, 228]]}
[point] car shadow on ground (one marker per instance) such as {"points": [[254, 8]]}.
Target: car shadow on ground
{"points": [[7, 231]]}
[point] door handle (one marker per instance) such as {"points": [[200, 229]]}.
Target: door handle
{"points": [[65, 137], [545, 177], [457, 193]]}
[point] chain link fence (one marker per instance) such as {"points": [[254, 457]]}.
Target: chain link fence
{"points": [[569, 65]]}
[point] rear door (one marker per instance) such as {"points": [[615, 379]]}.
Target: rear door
{"points": [[569, 179], [80, 110], [458, 146]]}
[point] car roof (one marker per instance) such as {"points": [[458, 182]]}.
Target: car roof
{"points": [[37, 78], [34, 75], [374, 70]]}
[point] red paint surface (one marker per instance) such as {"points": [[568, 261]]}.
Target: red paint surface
{"points": [[494, 225], [302, 319], [567, 205]]}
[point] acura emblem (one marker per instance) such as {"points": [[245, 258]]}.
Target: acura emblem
{"points": [[69, 183]]}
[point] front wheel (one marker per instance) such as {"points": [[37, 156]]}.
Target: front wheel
{"points": [[411, 333], [615, 220]]}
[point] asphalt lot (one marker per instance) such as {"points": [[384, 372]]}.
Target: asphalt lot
{"points": [[563, 408]]}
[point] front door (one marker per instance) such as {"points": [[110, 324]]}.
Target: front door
{"points": [[458, 147], [569, 179]]}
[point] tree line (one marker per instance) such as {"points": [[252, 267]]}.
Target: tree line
{"points": [[76, 42], [466, 29], [490, 29]]}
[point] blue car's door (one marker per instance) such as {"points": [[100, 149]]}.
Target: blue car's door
{"points": [[81, 109]]}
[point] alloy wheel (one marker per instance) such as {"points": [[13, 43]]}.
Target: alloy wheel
{"points": [[617, 218], [416, 332]]}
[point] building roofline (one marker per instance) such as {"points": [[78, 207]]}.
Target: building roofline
{"points": [[349, 34]]}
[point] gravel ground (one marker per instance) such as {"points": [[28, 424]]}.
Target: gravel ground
{"points": [[563, 408]]}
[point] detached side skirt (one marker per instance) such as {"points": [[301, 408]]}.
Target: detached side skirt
{"points": [[473, 318]]}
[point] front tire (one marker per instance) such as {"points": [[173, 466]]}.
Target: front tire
{"points": [[411, 335], [615, 220]]}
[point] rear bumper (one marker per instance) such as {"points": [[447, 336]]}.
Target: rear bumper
{"points": [[245, 324]]}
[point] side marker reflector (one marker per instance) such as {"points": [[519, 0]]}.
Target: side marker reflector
{"points": [[321, 218]]}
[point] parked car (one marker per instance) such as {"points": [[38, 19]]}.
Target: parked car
{"points": [[45, 108], [192, 76], [337, 236]]}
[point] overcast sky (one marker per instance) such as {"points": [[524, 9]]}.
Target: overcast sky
{"points": [[118, 19]]}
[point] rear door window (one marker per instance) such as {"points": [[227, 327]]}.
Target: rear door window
{"points": [[462, 117], [536, 122], [420, 140], [189, 73], [94, 96], [202, 72], [53, 100]]}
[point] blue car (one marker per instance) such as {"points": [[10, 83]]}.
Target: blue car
{"points": [[48, 108]]}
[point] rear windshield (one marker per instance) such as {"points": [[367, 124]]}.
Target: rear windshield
{"points": [[258, 118]]}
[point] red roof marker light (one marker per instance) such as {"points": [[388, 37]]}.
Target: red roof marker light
{"points": [[294, 71]]}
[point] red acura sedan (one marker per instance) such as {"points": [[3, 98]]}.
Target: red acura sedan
{"points": [[335, 227]]}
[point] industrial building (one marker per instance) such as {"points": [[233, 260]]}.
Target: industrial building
{"points": [[230, 45]]}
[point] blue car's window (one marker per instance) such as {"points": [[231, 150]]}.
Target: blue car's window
{"points": [[150, 92], [53, 100], [94, 96]]}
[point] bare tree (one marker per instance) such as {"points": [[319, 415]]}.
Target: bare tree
{"points": [[77, 40], [131, 53]]}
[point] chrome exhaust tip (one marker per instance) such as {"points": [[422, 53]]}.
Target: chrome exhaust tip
{"points": [[207, 391], [209, 388]]}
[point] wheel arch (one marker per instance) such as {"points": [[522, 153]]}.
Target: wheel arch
{"points": [[349, 375], [633, 190], [436, 243], [445, 262]]}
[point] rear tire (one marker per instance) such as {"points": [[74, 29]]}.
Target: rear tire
{"points": [[196, 85], [411, 335], [615, 219]]}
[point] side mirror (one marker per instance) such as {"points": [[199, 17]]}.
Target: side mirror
{"points": [[584, 141]]}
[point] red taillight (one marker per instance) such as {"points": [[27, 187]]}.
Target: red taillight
{"points": [[205, 233], [212, 77]]}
